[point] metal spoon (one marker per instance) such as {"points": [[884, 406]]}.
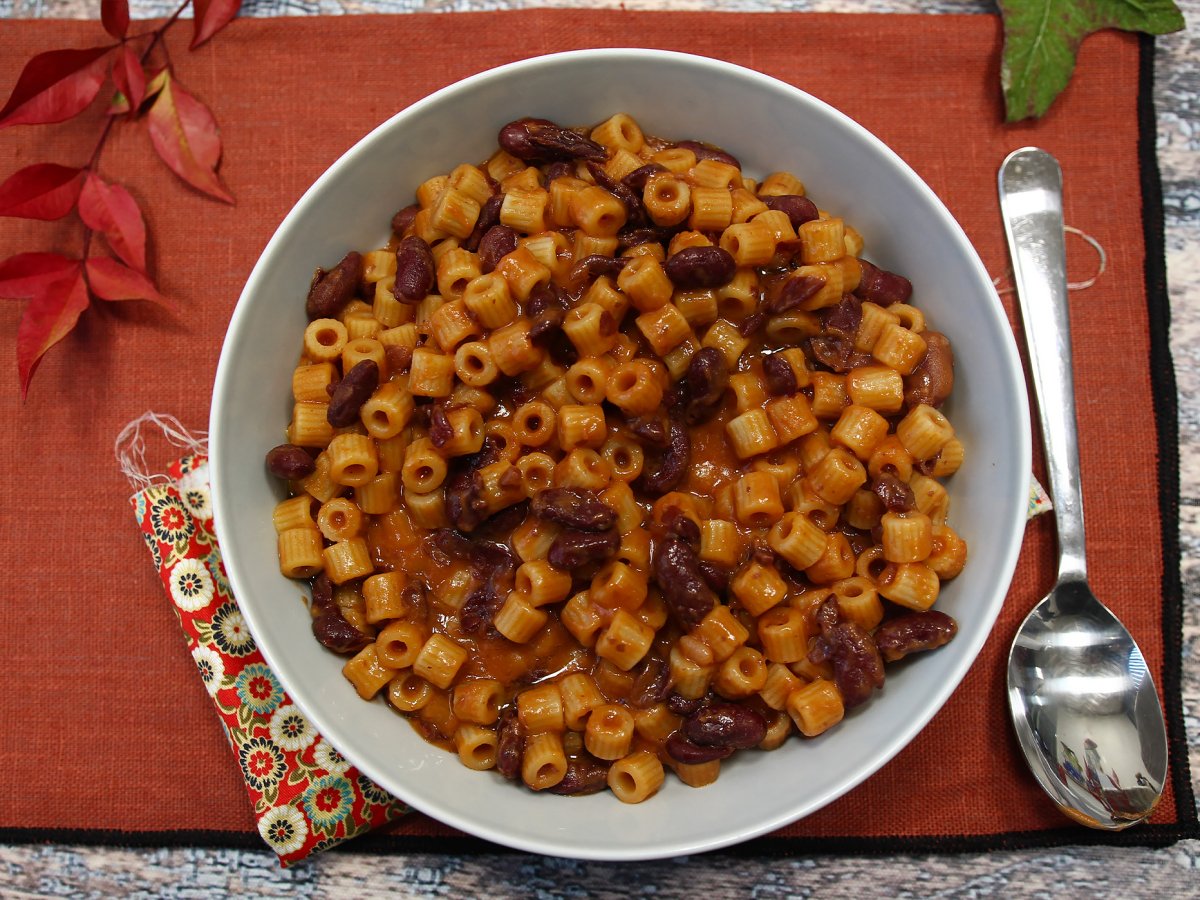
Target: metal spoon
{"points": [[1083, 702]]}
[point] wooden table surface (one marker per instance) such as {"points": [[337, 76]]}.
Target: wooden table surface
{"points": [[67, 870]]}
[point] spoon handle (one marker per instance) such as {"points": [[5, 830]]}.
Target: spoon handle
{"points": [[1031, 202]]}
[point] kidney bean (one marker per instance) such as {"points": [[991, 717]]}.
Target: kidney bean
{"points": [[441, 432], [651, 429], [652, 684], [404, 218], [914, 632], [792, 292], [573, 508], [896, 495], [335, 633], [682, 526], [725, 725], [594, 266], [540, 139], [322, 592], [446, 544], [479, 609], [779, 376], [704, 150], [836, 352], [352, 392], [845, 317], [636, 180], [585, 775], [676, 572], [933, 379], [289, 462], [857, 665], [672, 463], [510, 744], [715, 577], [489, 560], [707, 377], [559, 169], [548, 322], [398, 358], [414, 270], [749, 325], [681, 706], [682, 750], [329, 627], [882, 287], [333, 289], [629, 199], [497, 243], [799, 209], [694, 268], [489, 215], [464, 507], [572, 549], [632, 237]]}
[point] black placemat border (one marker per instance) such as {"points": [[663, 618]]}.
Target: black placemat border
{"points": [[1166, 410], [1187, 826]]}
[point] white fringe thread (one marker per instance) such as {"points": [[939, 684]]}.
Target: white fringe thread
{"points": [[130, 447], [1101, 255]]}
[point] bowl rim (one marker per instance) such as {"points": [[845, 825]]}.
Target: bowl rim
{"points": [[554, 844]]}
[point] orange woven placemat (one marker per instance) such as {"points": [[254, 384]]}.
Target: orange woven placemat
{"points": [[110, 735]]}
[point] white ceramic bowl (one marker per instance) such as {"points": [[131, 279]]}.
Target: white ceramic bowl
{"points": [[769, 126]]}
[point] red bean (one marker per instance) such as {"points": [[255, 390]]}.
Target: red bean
{"points": [[682, 750], [933, 379], [497, 243], [799, 209], [676, 572], [414, 270], [540, 139], [704, 150], [573, 508], [289, 462], [779, 376], [402, 220], [694, 268], [857, 665], [572, 549], [896, 495], [882, 287], [725, 725], [914, 632], [352, 392], [793, 292], [332, 290]]}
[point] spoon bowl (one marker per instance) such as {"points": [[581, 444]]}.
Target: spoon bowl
{"points": [[1082, 699]]}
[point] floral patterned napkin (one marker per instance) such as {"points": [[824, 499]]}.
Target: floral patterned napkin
{"points": [[306, 797]]}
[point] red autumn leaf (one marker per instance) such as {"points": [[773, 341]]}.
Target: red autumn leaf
{"points": [[54, 86], [41, 191], [110, 280], [129, 77], [27, 274], [114, 14], [185, 135], [210, 17], [48, 318], [112, 211]]}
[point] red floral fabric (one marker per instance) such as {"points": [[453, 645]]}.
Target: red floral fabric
{"points": [[306, 796]]}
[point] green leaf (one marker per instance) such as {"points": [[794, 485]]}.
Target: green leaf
{"points": [[1042, 37]]}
